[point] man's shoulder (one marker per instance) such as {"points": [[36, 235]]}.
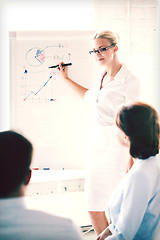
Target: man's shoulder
{"points": [[35, 224], [40, 217]]}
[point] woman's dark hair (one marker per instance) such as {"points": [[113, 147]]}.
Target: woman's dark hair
{"points": [[140, 122]]}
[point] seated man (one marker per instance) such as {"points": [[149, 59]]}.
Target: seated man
{"points": [[16, 221]]}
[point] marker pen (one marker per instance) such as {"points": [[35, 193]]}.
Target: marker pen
{"points": [[63, 65]]}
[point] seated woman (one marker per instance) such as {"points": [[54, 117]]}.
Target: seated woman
{"points": [[134, 207]]}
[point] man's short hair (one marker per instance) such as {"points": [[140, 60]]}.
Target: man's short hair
{"points": [[15, 160]]}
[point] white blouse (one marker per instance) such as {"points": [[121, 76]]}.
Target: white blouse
{"points": [[124, 88], [134, 207]]}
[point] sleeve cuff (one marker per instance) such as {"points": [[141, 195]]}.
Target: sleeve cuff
{"points": [[110, 227]]}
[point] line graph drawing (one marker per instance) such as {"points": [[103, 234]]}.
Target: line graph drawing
{"points": [[37, 92]]}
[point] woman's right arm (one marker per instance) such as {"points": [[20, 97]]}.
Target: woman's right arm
{"points": [[63, 73]]}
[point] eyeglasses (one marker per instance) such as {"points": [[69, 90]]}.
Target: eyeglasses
{"points": [[101, 49]]}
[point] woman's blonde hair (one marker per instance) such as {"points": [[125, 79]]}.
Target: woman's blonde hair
{"points": [[113, 37]]}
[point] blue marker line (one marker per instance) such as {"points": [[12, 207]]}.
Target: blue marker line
{"points": [[51, 46], [46, 168], [28, 95], [43, 85], [38, 90], [38, 59]]}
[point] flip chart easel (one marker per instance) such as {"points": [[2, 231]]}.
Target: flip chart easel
{"points": [[47, 111]]}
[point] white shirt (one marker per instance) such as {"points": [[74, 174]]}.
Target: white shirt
{"points": [[19, 223], [124, 88], [134, 207]]}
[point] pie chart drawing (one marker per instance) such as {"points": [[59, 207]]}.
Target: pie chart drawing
{"points": [[35, 57]]}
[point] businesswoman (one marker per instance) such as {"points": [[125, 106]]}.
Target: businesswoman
{"points": [[134, 207], [106, 159]]}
